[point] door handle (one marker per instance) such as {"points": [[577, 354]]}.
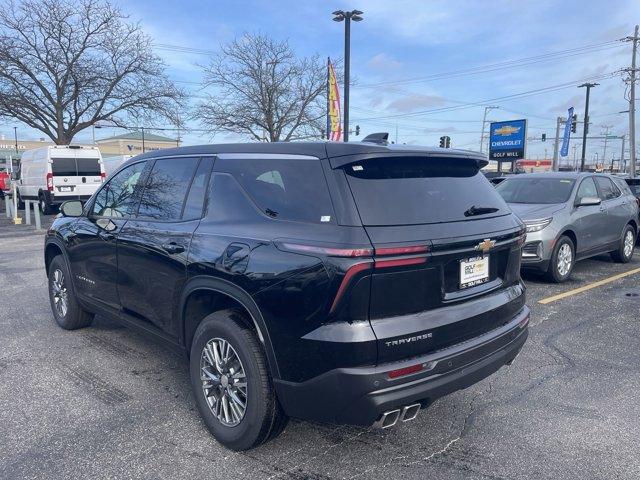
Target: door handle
{"points": [[107, 236], [172, 248]]}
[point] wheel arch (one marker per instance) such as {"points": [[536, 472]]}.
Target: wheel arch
{"points": [[568, 232], [220, 294], [51, 250]]}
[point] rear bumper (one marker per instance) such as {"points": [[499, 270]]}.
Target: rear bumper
{"points": [[360, 395], [59, 199]]}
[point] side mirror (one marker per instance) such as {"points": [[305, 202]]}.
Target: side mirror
{"points": [[72, 208], [15, 175], [588, 201]]}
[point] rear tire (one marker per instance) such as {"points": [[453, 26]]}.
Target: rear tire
{"points": [[562, 260], [19, 200], [45, 208], [627, 244], [64, 305], [240, 385]]}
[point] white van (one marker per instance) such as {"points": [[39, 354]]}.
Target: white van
{"points": [[56, 173]]}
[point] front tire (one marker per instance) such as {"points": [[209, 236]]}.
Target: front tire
{"points": [[64, 305], [627, 244], [562, 260], [231, 382]]}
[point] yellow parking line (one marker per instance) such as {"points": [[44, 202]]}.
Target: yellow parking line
{"points": [[575, 291]]}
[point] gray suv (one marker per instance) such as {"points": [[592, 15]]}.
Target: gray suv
{"points": [[571, 216]]}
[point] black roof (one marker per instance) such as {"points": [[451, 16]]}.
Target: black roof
{"points": [[316, 149]]}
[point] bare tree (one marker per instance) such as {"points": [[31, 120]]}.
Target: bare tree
{"points": [[264, 91], [67, 64]]}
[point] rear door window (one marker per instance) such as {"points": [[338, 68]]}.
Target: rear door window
{"points": [[166, 188], [197, 191], [285, 189], [608, 190], [63, 167], [421, 190], [87, 167]]}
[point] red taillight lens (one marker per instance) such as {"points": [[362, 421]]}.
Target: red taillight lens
{"points": [[50, 182], [349, 274], [401, 372], [329, 251], [400, 262], [402, 250], [103, 175]]}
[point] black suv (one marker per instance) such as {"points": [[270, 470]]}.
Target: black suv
{"points": [[343, 283]]}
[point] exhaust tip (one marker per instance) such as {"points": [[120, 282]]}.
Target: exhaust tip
{"points": [[388, 419], [410, 412]]}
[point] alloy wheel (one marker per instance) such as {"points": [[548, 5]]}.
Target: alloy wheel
{"points": [[59, 292], [628, 244], [224, 382], [565, 258]]}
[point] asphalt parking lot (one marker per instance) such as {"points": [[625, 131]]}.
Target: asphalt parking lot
{"points": [[105, 402]]}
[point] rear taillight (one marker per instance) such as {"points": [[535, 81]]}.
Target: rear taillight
{"points": [[346, 280], [328, 251], [103, 175], [413, 249], [50, 182]]}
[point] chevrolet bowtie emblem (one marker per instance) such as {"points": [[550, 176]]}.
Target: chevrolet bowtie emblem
{"points": [[485, 245]]}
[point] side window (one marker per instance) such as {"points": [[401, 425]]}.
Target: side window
{"points": [[166, 188], [285, 189], [587, 189], [117, 198], [608, 190], [197, 192]]}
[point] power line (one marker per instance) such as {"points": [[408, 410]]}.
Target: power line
{"points": [[500, 65], [495, 99]]}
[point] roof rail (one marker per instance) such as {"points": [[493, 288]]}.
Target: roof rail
{"points": [[381, 138]]}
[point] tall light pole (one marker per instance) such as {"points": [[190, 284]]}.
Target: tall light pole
{"points": [[339, 16], [585, 129], [484, 120]]}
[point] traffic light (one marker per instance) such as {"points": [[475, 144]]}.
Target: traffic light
{"points": [[447, 142], [574, 124], [544, 137], [443, 141], [357, 130]]}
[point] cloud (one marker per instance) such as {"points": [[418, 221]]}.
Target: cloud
{"points": [[415, 102], [384, 63], [576, 101]]}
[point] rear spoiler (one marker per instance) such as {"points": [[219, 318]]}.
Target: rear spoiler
{"points": [[454, 155]]}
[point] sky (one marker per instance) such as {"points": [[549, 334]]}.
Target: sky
{"points": [[426, 68]]}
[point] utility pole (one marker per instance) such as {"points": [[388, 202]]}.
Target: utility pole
{"points": [[588, 86], [632, 104], [484, 121], [556, 146], [623, 167], [15, 136], [606, 138], [339, 16]]}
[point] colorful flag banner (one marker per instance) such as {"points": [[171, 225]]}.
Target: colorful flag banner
{"points": [[334, 124]]}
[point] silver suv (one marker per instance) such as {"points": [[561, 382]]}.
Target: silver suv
{"points": [[571, 216]]}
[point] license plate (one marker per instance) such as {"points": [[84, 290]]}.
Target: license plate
{"points": [[474, 271], [66, 189]]}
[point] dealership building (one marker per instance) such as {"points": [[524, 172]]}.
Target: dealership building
{"points": [[130, 143]]}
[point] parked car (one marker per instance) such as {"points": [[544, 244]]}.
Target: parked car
{"points": [[56, 173], [634, 186], [571, 216], [334, 282], [5, 182]]}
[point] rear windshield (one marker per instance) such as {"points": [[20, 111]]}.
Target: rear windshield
{"points": [[536, 190], [419, 190], [71, 167]]}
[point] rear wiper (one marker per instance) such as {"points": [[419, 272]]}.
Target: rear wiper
{"points": [[473, 210]]}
